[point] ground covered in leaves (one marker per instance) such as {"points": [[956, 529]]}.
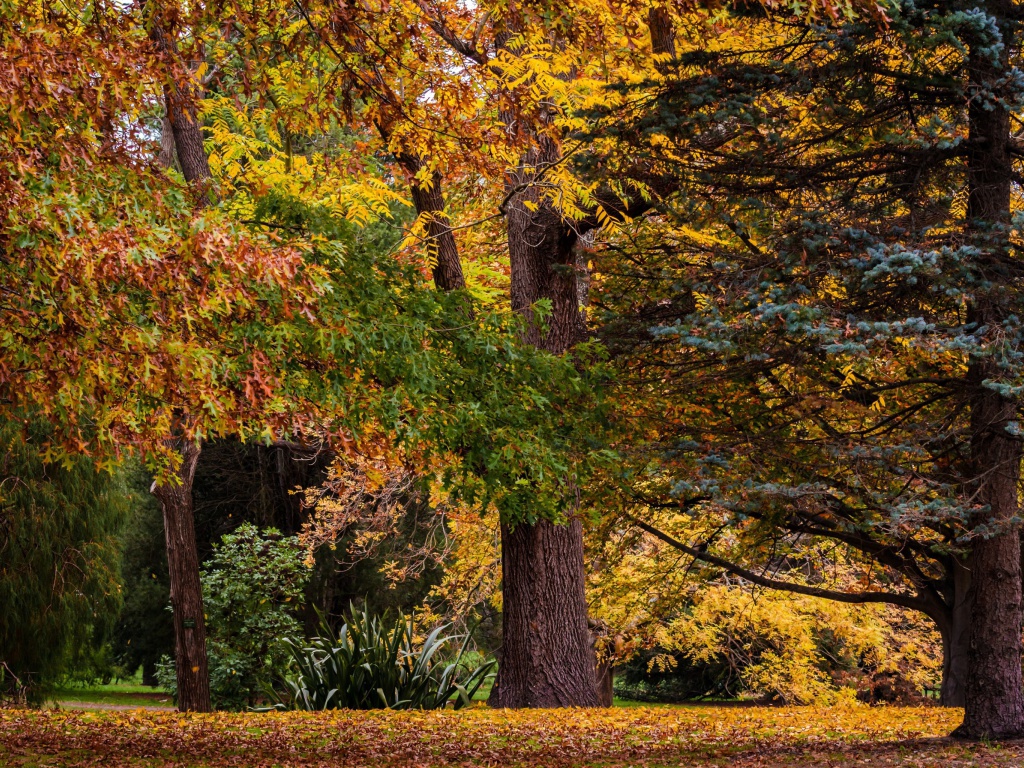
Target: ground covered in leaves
{"points": [[694, 737]]}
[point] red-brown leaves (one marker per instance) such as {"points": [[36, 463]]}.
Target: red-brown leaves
{"points": [[693, 736]]}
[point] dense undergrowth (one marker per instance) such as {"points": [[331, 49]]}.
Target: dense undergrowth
{"points": [[690, 736]]}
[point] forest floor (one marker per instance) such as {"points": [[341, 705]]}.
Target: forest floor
{"points": [[695, 737]]}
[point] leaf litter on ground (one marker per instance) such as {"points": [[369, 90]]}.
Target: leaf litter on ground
{"points": [[695, 737]]}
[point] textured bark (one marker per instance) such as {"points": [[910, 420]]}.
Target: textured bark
{"points": [[956, 635], [546, 659], [663, 36], [605, 684], [182, 136], [168, 155], [442, 248], [543, 257], [181, 100], [186, 590], [994, 696]]}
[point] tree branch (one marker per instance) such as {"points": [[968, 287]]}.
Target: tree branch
{"points": [[906, 601]]}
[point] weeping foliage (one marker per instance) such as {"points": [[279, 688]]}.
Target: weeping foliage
{"points": [[375, 663], [59, 554]]}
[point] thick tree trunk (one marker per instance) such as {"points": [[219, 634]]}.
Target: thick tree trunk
{"points": [[956, 639], [994, 696], [546, 658], [186, 590]]}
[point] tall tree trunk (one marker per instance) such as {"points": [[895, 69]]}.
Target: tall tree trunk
{"points": [[994, 696], [186, 591], [956, 638], [176, 498], [547, 658], [428, 199]]}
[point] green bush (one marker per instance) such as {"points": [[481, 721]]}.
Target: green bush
{"points": [[251, 586], [374, 663]]}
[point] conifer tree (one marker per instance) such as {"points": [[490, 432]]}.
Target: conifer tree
{"points": [[826, 319]]}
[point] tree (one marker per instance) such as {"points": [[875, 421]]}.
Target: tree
{"points": [[60, 533], [829, 351], [224, 317], [476, 102], [138, 312]]}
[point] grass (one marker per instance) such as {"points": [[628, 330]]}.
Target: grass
{"points": [[127, 694], [696, 737]]}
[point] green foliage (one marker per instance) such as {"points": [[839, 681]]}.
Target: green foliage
{"points": [[59, 545], [376, 663], [251, 587], [145, 629]]}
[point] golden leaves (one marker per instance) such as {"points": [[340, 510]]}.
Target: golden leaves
{"points": [[692, 736]]}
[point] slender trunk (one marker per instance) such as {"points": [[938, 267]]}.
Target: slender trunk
{"points": [[994, 695], [663, 34], [956, 639], [186, 590], [442, 248], [605, 684], [181, 102], [186, 139]]}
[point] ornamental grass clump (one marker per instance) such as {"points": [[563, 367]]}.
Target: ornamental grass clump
{"points": [[373, 662]]}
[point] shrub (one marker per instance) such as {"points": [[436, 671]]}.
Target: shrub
{"points": [[250, 587], [375, 663]]}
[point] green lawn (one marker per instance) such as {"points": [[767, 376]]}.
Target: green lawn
{"points": [[114, 694]]}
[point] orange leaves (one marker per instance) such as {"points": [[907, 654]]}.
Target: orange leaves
{"points": [[692, 736]]}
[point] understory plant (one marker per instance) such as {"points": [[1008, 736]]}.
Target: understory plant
{"points": [[252, 587], [375, 662]]}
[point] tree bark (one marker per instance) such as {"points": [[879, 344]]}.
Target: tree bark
{"points": [[663, 35], [181, 103], [546, 658], [186, 591], [956, 638], [428, 200], [605, 684], [994, 694], [186, 143]]}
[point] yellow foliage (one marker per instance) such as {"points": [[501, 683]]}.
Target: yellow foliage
{"points": [[562, 738]]}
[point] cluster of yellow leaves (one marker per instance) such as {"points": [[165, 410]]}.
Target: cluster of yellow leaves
{"points": [[778, 645], [249, 157], [698, 736]]}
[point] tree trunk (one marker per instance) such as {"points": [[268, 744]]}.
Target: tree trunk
{"points": [[442, 248], [181, 100], [956, 639], [994, 695], [186, 591], [185, 141], [546, 658], [605, 684]]}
